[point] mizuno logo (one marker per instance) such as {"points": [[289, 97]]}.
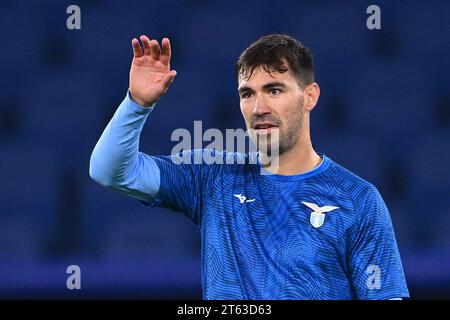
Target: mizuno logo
{"points": [[317, 216], [243, 199]]}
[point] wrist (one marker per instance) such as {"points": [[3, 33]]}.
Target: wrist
{"points": [[139, 101], [138, 104]]}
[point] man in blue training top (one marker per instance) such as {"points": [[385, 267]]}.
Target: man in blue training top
{"points": [[309, 230]]}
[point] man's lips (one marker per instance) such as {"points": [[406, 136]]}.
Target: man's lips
{"points": [[264, 127]]}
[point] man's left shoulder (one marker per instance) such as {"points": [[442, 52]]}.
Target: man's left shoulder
{"points": [[358, 189], [348, 179]]}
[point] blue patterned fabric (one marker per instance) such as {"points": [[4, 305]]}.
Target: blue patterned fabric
{"points": [[265, 247]]}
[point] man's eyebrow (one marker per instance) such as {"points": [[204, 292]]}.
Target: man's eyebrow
{"points": [[273, 84], [265, 87], [244, 89]]}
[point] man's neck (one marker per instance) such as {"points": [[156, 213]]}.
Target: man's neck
{"points": [[296, 161]]}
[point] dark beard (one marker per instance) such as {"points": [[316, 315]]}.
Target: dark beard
{"points": [[287, 140]]}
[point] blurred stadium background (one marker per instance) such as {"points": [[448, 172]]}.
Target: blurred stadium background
{"points": [[384, 113]]}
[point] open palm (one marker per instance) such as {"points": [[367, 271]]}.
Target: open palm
{"points": [[150, 74]]}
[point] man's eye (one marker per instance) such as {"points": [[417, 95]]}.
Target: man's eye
{"points": [[274, 91], [246, 95]]}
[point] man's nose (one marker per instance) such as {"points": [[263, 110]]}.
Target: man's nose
{"points": [[260, 107]]}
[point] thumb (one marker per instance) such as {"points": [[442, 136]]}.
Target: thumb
{"points": [[168, 78]]}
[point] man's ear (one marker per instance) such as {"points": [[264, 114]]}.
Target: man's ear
{"points": [[312, 93]]}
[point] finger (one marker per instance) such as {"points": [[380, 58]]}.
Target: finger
{"points": [[146, 42], [168, 79], [137, 50], [166, 51], [156, 50]]}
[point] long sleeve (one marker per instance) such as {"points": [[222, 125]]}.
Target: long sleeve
{"points": [[116, 162]]}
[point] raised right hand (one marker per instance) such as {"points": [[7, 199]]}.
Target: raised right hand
{"points": [[150, 74]]}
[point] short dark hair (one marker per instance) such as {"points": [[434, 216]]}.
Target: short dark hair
{"points": [[270, 52]]}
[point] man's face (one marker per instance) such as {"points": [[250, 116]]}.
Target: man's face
{"points": [[272, 106]]}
